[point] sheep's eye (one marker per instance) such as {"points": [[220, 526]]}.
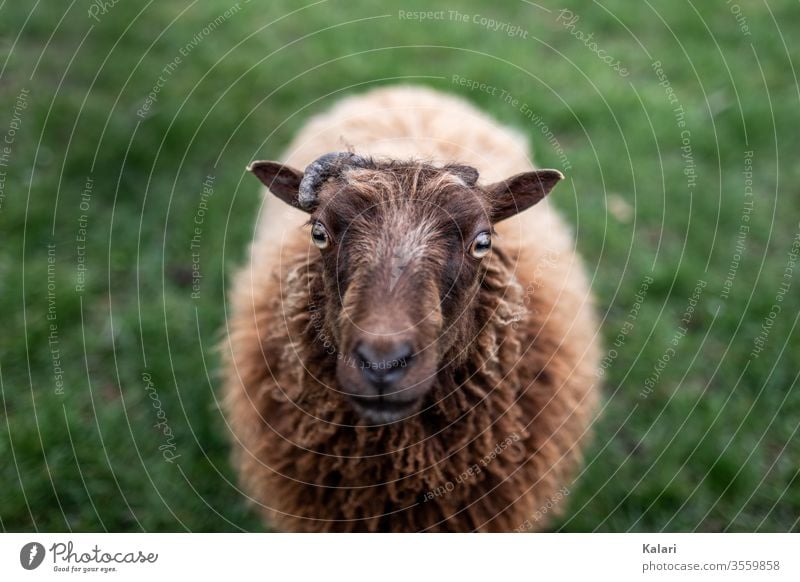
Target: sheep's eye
{"points": [[481, 246], [319, 236]]}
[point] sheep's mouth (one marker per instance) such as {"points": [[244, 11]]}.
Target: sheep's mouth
{"points": [[379, 410]]}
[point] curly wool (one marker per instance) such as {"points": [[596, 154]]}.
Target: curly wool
{"points": [[501, 435]]}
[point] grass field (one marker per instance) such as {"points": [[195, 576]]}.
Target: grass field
{"points": [[676, 123]]}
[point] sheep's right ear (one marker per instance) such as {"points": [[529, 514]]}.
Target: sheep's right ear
{"points": [[520, 192], [283, 181]]}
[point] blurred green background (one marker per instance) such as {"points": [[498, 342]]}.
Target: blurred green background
{"points": [[704, 441]]}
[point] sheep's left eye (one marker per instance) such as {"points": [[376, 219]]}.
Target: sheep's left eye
{"points": [[319, 236], [481, 246]]}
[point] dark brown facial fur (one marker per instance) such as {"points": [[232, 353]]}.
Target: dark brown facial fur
{"points": [[402, 251], [399, 276]]}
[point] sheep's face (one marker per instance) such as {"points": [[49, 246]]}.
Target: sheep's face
{"points": [[401, 247]]}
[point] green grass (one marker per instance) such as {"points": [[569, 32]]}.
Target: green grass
{"points": [[713, 447]]}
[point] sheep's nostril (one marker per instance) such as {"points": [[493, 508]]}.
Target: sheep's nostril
{"points": [[385, 365]]}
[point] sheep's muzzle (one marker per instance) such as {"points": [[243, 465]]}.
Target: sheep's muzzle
{"points": [[388, 365]]}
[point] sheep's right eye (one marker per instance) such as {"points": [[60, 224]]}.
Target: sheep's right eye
{"points": [[319, 236], [481, 246]]}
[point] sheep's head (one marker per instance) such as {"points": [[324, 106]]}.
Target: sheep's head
{"points": [[401, 246]]}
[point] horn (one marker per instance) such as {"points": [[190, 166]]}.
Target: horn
{"points": [[320, 170], [467, 173]]}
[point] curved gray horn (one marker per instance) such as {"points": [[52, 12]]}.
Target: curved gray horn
{"points": [[320, 170]]}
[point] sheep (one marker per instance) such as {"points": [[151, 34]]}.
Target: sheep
{"points": [[423, 356]]}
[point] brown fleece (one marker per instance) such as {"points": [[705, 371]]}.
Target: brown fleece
{"points": [[498, 437]]}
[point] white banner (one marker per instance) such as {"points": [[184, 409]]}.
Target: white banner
{"points": [[400, 557]]}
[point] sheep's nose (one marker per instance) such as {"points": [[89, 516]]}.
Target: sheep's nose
{"points": [[384, 363]]}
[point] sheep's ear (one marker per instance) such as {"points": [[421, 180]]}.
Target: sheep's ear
{"points": [[520, 192], [283, 181]]}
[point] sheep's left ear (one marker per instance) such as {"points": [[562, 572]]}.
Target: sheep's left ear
{"points": [[283, 181], [517, 193]]}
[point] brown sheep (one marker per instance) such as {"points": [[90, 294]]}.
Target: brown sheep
{"points": [[424, 359]]}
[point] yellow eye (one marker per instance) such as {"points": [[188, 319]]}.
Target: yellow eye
{"points": [[481, 246], [319, 236]]}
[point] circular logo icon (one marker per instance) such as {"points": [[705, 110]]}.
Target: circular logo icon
{"points": [[31, 555]]}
